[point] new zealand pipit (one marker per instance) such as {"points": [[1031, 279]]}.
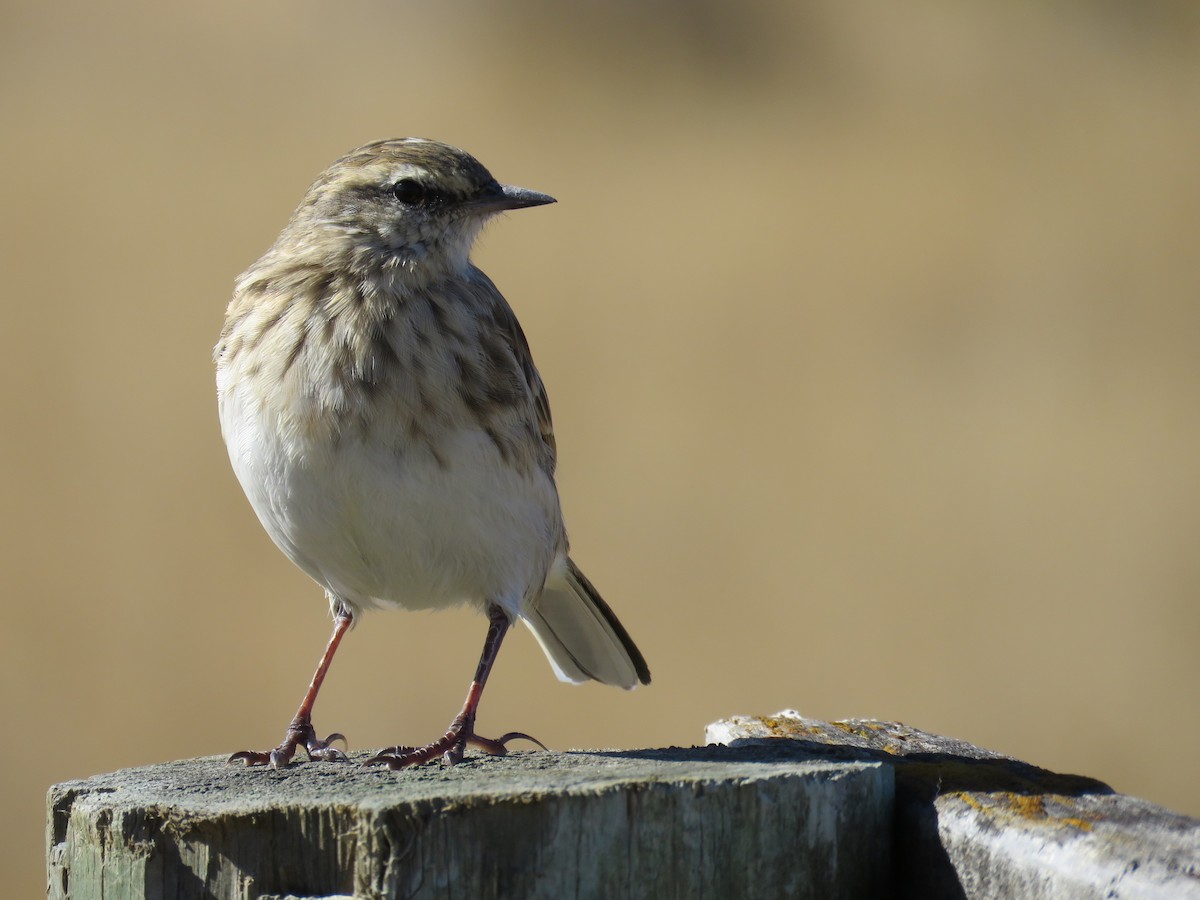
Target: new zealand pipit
{"points": [[385, 419]]}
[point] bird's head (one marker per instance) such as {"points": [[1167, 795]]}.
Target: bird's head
{"points": [[416, 204]]}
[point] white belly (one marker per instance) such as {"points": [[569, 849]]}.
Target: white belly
{"points": [[381, 522]]}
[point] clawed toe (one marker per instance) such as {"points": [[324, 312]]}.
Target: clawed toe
{"points": [[502, 742], [324, 751], [451, 747], [250, 758], [299, 735]]}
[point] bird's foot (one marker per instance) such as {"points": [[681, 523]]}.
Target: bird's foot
{"points": [[450, 747], [299, 734]]}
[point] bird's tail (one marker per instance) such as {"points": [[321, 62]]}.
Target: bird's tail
{"points": [[581, 636]]}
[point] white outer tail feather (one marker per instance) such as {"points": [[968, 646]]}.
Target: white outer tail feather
{"points": [[581, 637]]}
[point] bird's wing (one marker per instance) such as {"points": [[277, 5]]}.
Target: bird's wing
{"points": [[507, 322]]}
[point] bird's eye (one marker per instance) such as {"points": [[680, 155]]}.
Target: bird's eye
{"points": [[408, 190]]}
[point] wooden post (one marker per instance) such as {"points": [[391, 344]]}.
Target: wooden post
{"points": [[711, 822], [793, 807]]}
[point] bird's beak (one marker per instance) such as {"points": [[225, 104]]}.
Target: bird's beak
{"points": [[507, 196]]}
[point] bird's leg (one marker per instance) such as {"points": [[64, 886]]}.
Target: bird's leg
{"points": [[301, 732], [451, 745]]}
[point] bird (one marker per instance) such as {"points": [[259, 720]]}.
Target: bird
{"points": [[383, 414]]}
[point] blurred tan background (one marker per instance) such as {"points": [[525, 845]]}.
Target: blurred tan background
{"points": [[871, 333]]}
